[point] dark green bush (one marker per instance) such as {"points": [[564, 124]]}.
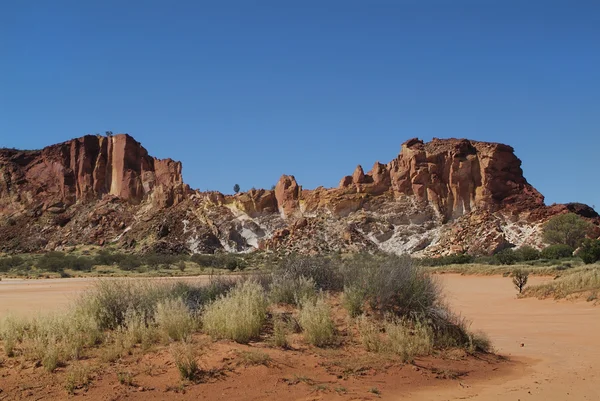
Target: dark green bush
{"points": [[589, 251], [557, 252], [507, 257], [527, 253], [58, 262], [220, 261], [129, 262], [455, 259], [10, 262]]}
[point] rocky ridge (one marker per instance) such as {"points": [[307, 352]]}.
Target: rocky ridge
{"points": [[440, 197]]}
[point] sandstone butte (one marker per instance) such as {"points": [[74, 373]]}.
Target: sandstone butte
{"points": [[441, 197]]}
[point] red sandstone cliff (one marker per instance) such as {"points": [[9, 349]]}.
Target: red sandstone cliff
{"points": [[86, 169]]}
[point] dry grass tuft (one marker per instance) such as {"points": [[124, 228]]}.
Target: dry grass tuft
{"points": [[576, 282], [239, 315], [315, 320]]}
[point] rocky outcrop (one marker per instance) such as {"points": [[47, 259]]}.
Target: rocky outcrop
{"points": [[440, 197]]}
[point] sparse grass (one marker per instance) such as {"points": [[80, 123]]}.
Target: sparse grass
{"points": [[296, 379], [253, 358], [280, 333], [341, 390], [575, 282], [186, 361], [375, 390], [125, 378], [316, 322], [239, 315], [77, 376]]}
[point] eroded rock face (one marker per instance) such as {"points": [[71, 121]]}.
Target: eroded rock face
{"points": [[441, 197]]}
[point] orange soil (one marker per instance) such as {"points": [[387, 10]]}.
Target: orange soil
{"points": [[559, 359]]}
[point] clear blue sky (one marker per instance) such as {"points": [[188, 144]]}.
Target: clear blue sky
{"points": [[244, 91]]}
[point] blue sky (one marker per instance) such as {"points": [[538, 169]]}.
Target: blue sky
{"points": [[243, 91]]}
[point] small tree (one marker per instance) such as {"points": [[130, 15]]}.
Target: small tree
{"points": [[519, 279], [236, 188], [568, 229]]}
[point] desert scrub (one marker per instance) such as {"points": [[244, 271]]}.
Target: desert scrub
{"points": [[576, 282], [353, 299], [286, 288], [239, 315], [174, 320], [315, 320]]}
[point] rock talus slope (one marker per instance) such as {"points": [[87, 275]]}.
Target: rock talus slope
{"points": [[440, 197]]}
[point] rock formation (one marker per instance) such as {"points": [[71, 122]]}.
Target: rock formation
{"points": [[445, 196]]}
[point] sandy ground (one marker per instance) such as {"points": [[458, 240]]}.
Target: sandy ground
{"points": [[561, 343], [555, 345]]}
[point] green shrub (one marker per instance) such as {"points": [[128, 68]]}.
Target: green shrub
{"points": [[557, 252], [315, 320], [239, 315], [566, 229], [589, 251]]}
